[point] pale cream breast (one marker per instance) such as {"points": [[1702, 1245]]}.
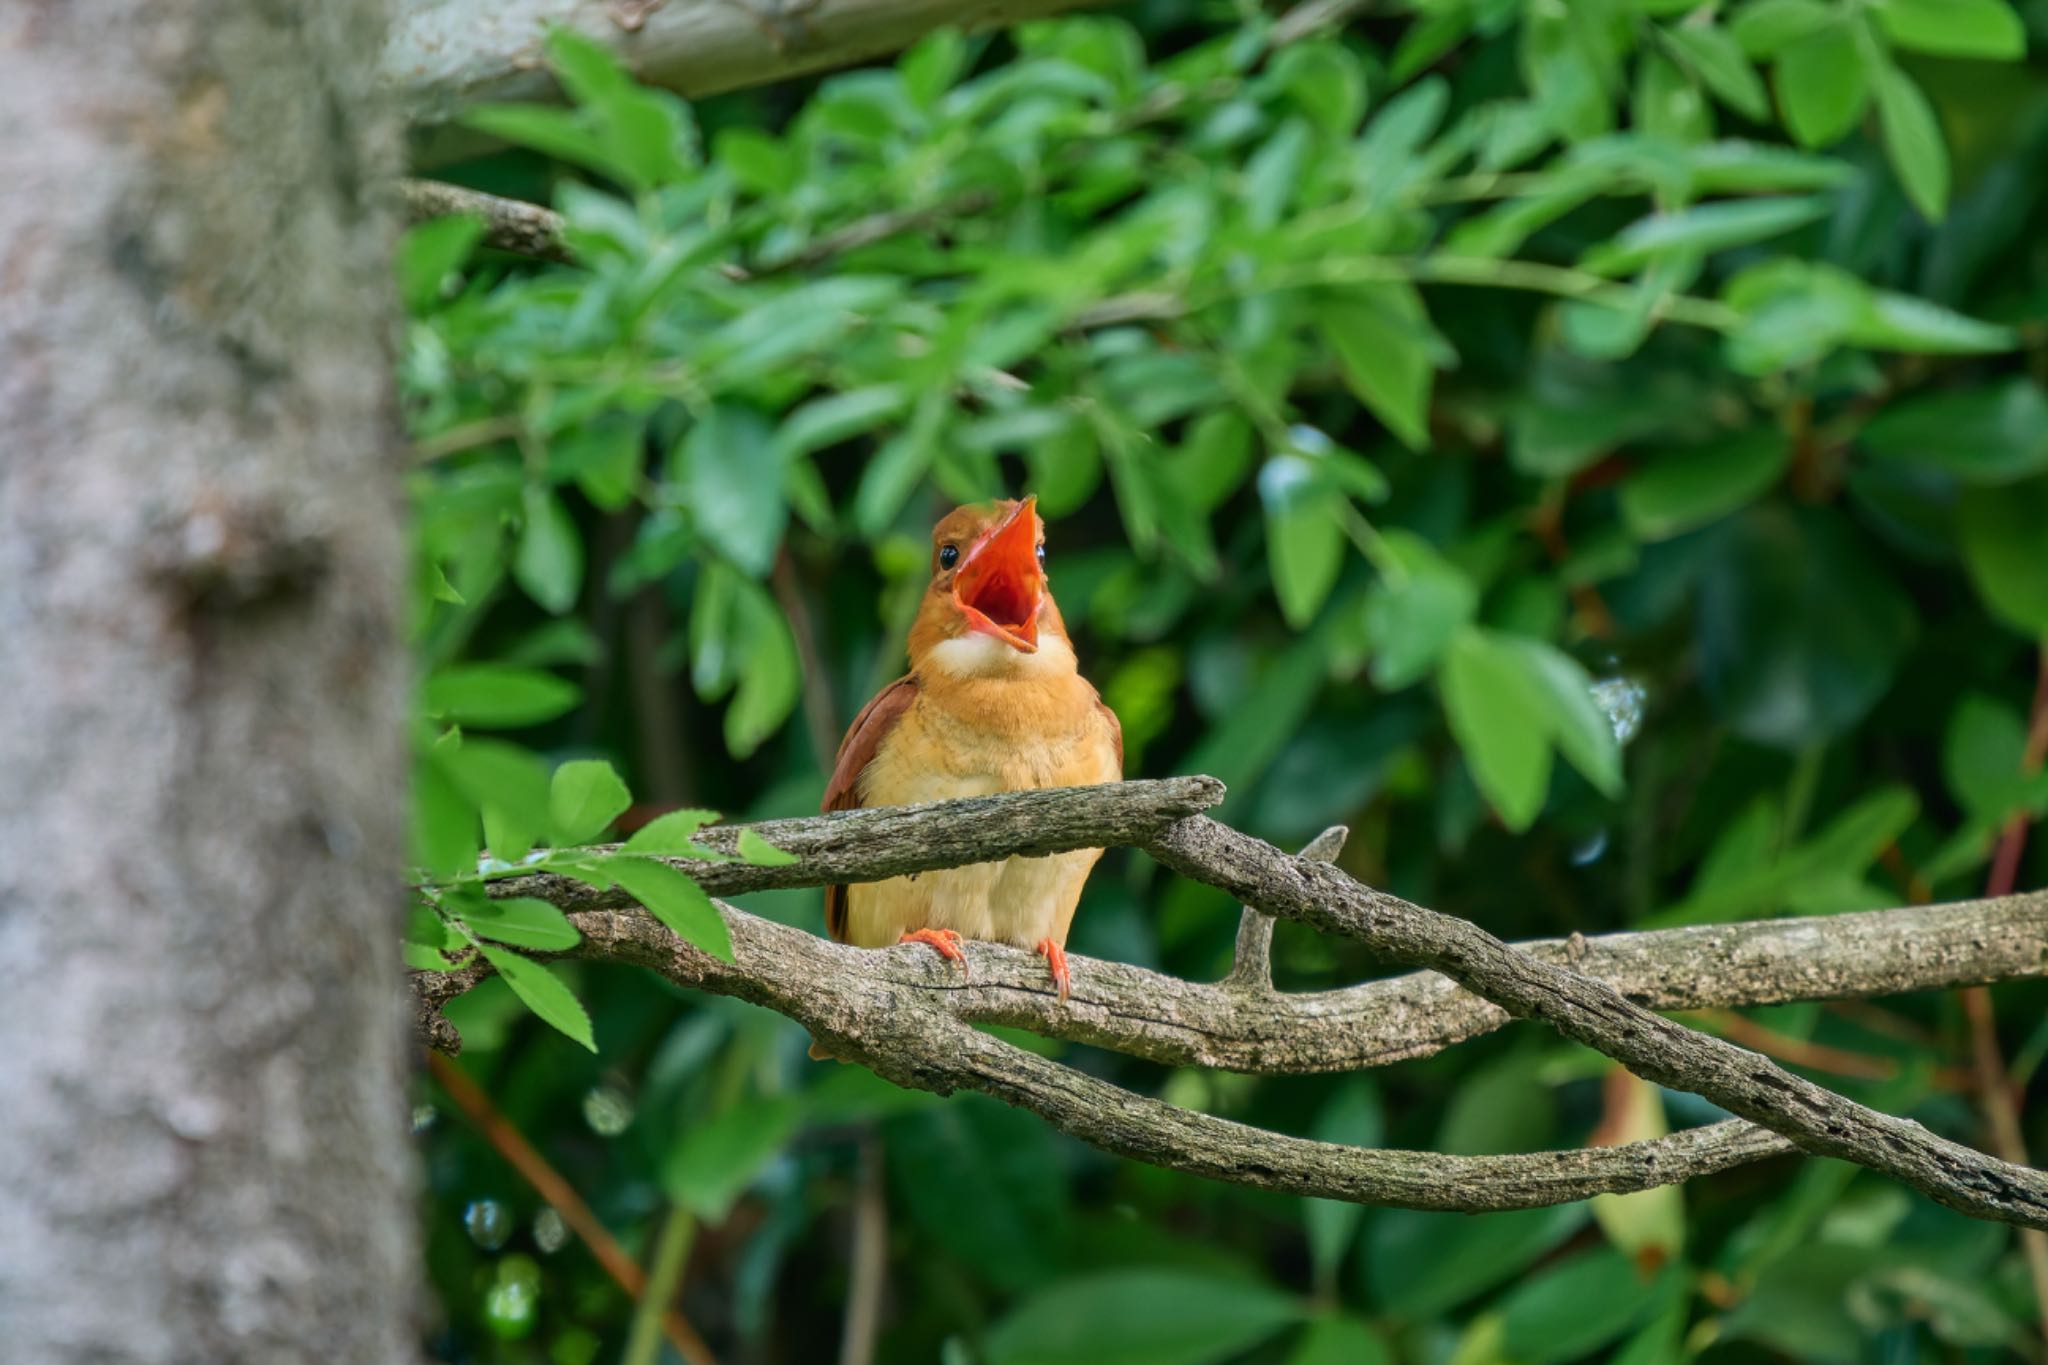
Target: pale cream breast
{"points": [[985, 734]]}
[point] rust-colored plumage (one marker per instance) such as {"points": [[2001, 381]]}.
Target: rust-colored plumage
{"points": [[993, 702]]}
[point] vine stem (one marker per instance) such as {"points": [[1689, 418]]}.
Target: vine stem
{"points": [[547, 1182], [1994, 1081]]}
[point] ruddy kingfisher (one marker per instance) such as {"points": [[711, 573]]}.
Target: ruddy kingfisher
{"points": [[994, 702]]}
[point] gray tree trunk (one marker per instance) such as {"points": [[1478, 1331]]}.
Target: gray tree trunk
{"points": [[203, 1148]]}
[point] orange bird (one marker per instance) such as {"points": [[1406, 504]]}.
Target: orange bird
{"points": [[993, 702]]}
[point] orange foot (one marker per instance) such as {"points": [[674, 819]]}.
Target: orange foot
{"points": [[944, 941], [1056, 959]]}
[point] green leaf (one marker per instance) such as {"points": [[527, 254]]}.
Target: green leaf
{"points": [[1273, 174], [497, 696], [522, 921], [430, 252], [1717, 58], [1913, 142], [604, 460], [1955, 28], [559, 133], [1325, 81], [1387, 352], [1066, 468], [1822, 85], [509, 837], [673, 899], [585, 67], [1982, 757], [1667, 103], [673, 835], [1685, 489], [1430, 1262], [757, 160], [1418, 605], [584, 797], [1214, 459], [758, 852], [1569, 61], [2005, 545], [1702, 229], [932, 65], [896, 469], [1354, 1118], [770, 680], [1336, 1340], [549, 561], [1579, 1305], [1899, 322], [1800, 629], [1140, 1317], [1990, 435], [1304, 542], [443, 826], [496, 775], [1500, 722], [732, 482], [1794, 313], [717, 1158], [1564, 694], [1763, 27], [543, 993], [837, 417]]}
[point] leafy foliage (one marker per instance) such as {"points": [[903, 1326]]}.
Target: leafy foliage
{"points": [[1647, 386]]}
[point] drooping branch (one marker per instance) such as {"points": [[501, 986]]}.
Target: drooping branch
{"points": [[909, 1016]]}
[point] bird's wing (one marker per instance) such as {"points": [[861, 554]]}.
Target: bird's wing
{"points": [[856, 751], [1116, 731]]}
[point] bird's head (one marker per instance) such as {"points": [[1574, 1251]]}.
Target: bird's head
{"points": [[987, 603]]}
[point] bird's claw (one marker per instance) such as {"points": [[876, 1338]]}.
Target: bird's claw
{"points": [[945, 942], [1056, 961]]}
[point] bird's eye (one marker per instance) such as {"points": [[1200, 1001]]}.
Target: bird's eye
{"points": [[1041, 556], [949, 555]]}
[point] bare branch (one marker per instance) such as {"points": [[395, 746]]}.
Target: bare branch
{"points": [[1592, 1012], [443, 55], [885, 1011], [910, 1018], [1251, 963], [890, 841], [509, 224]]}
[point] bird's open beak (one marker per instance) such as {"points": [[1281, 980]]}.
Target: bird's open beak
{"points": [[999, 585]]}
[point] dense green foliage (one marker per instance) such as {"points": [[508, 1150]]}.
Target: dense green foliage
{"points": [[1657, 388]]}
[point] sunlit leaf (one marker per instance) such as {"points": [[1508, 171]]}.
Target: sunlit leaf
{"points": [[543, 993], [583, 797]]}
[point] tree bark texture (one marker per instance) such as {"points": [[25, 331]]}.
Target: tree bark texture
{"points": [[203, 1152]]}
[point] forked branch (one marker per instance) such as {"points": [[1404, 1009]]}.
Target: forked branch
{"points": [[911, 1017]]}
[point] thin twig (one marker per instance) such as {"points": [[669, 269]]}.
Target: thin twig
{"points": [[821, 717], [548, 1183], [1251, 964], [1839, 1061], [671, 1258], [868, 1273], [1994, 1082], [509, 224]]}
